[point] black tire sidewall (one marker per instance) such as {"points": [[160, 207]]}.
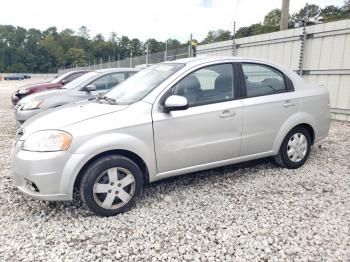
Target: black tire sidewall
{"points": [[95, 169], [283, 150]]}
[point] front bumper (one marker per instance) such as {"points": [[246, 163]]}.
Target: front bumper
{"points": [[45, 175]]}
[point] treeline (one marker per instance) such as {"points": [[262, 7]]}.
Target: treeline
{"points": [[34, 51], [308, 15]]}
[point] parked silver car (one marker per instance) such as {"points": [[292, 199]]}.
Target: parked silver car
{"points": [[170, 119], [86, 86]]}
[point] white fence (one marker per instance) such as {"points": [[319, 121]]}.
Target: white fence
{"points": [[321, 53], [323, 58]]}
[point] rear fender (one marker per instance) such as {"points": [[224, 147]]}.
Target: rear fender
{"points": [[290, 123]]}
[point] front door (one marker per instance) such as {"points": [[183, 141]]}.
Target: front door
{"points": [[209, 130]]}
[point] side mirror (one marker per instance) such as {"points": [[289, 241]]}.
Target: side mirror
{"points": [[64, 81], [174, 103], [89, 88]]}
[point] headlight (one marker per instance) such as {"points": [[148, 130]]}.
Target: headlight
{"points": [[23, 91], [48, 141], [32, 105]]}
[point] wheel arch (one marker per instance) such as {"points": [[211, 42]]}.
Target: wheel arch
{"points": [[300, 119], [122, 152]]}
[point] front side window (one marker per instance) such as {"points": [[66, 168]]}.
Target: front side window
{"points": [[262, 80], [115, 79], [101, 83], [208, 85]]}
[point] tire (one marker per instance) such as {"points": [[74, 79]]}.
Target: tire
{"points": [[102, 195], [295, 148]]}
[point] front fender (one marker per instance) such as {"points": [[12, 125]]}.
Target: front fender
{"points": [[294, 120], [103, 143]]}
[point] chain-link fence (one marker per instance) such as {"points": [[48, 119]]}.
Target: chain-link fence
{"points": [[146, 59]]}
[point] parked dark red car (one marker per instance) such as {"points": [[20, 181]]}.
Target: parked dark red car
{"points": [[54, 84]]}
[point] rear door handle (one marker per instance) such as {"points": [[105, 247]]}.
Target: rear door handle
{"points": [[288, 104], [227, 113]]}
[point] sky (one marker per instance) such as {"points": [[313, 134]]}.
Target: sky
{"points": [[159, 19]]}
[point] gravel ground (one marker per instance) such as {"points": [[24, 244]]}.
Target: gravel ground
{"points": [[248, 212]]}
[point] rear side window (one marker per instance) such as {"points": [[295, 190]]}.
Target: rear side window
{"points": [[262, 80]]}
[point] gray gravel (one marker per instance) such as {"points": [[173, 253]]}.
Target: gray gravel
{"points": [[248, 212]]}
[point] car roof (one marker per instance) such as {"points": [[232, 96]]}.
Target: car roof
{"points": [[79, 71], [205, 59], [116, 70]]}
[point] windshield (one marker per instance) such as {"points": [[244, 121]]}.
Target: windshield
{"points": [[139, 85], [59, 78], [78, 82]]}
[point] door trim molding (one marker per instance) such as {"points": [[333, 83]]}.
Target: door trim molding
{"points": [[206, 166]]}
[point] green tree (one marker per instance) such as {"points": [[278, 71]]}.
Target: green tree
{"points": [[173, 44], [75, 56], [309, 14], [83, 32], [331, 13], [67, 38], [345, 9], [154, 46], [136, 47], [273, 18], [216, 36]]}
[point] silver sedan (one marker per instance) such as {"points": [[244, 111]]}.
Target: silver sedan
{"points": [[170, 119], [84, 87]]}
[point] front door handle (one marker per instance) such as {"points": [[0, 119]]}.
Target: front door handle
{"points": [[288, 104], [227, 113]]}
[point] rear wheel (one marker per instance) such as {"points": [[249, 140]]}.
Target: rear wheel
{"points": [[295, 148], [110, 185]]}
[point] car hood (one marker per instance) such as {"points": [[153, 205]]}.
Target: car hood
{"points": [[42, 95], [58, 118], [39, 86]]}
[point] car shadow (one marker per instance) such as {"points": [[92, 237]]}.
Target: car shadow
{"points": [[167, 186]]}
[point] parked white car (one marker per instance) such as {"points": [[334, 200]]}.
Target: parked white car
{"points": [[172, 118]]}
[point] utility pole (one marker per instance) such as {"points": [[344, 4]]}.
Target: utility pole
{"points": [[284, 15]]}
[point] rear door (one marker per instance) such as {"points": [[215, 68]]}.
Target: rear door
{"points": [[268, 101]]}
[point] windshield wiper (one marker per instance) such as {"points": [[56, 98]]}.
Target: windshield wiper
{"points": [[108, 99]]}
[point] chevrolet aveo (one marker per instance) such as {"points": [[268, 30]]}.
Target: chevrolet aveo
{"points": [[172, 118]]}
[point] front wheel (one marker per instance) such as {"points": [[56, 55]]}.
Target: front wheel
{"points": [[110, 185], [295, 148]]}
